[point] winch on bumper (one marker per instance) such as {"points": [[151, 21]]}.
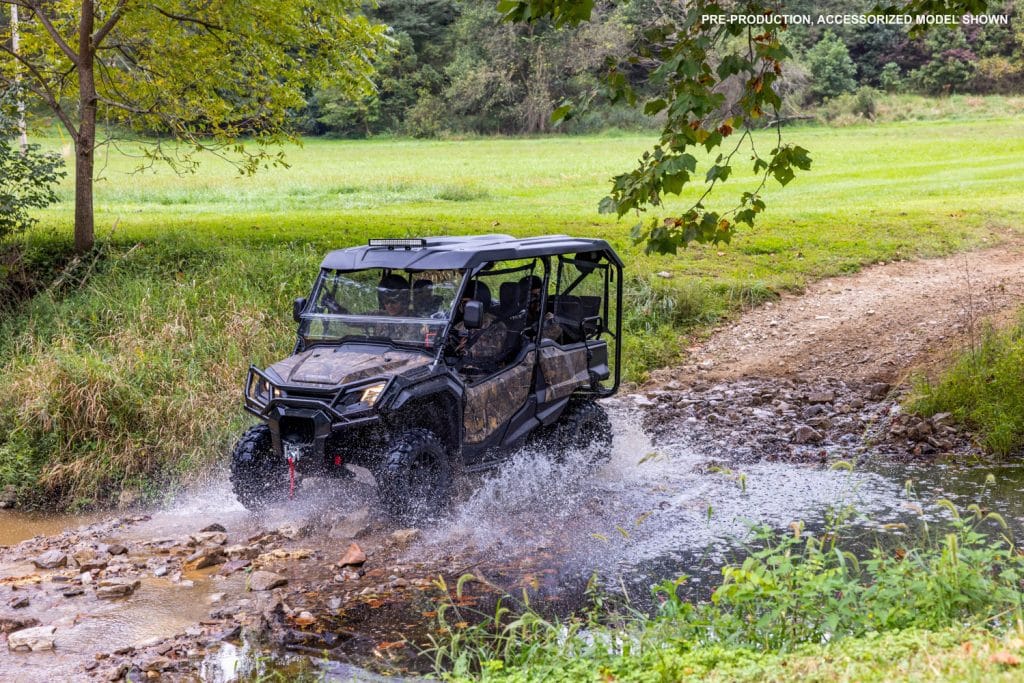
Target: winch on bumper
{"points": [[303, 420]]}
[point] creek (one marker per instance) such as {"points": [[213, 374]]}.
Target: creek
{"points": [[654, 511]]}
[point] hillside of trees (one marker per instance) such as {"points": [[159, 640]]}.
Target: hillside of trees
{"points": [[456, 68]]}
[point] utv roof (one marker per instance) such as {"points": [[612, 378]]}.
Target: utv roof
{"points": [[443, 253]]}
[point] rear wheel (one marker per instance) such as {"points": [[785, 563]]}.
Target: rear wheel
{"points": [[259, 477], [415, 478], [583, 427]]}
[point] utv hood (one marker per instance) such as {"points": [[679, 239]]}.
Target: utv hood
{"points": [[341, 365]]}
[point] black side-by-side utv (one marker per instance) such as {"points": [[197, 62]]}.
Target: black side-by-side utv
{"points": [[420, 358]]}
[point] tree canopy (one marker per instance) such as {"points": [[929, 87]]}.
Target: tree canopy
{"points": [[207, 73]]}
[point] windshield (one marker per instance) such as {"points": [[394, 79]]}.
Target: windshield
{"points": [[409, 307]]}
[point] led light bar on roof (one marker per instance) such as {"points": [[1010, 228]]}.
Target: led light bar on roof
{"points": [[399, 242]]}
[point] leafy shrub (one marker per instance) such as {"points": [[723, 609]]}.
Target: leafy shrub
{"points": [[832, 71], [890, 77], [27, 179]]}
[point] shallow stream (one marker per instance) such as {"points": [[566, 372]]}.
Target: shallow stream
{"points": [[651, 513]]}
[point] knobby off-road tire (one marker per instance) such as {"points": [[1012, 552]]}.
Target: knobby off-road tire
{"points": [[583, 427], [258, 476], [414, 479]]}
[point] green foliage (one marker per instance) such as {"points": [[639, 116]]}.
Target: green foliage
{"points": [[795, 594], [983, 389], [890, 78], [832, 70], [951, 67], [27, 178]]}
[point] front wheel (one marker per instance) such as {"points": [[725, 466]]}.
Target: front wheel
{"points": [[258, 476], [414, 479]]}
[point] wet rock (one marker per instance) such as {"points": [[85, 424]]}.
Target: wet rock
{"points": [[118, 672], [878, 391], [34, 639], [242, 552], [352, 526], [10, 623], [353, 557], [51, 559], [405, 535], [817, 397], [206, 556], [264, 581], [641, 401], [294, 532], [232, 566], [805, 434], [209, 538], [19, 602], [813, 411], [117, 588], [117, 549], [213, 527], [73, 592], [157, 663]]}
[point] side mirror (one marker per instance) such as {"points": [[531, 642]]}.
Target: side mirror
{"points": [[297, 306], [473, 315]]}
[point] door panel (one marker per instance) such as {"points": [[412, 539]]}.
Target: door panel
{"points": [[564, 370], [490, 403]]}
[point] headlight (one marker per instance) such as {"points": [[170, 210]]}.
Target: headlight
{"points": [[259, 388], [372, 393]]}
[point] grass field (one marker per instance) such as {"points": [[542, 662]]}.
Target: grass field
{"points": [[132, 378]]}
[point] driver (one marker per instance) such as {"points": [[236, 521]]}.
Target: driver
{"points": [[393, 297], [481, 347]]}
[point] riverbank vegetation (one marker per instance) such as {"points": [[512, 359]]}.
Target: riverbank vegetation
{"points": [[122, 370], [944, 600], [983, 388]]}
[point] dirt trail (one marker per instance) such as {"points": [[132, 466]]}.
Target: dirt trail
{"points": [[875, 325]]}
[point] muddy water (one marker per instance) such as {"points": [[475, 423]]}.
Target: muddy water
{"points": [[651, 513], [16, 526]]}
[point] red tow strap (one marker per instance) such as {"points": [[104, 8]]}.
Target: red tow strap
{"points": [[291, 478]]}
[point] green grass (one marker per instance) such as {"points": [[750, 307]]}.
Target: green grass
{"points": [[942, 605], [134, 376], [983, 389]]}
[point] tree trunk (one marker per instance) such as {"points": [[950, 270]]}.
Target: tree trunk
{"points": [[84, 227], [85, 144]]}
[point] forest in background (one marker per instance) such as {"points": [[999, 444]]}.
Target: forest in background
{"points": [[458, 69]]}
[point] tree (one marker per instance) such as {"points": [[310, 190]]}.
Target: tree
{"points": [[27, 176], [832, 70], [205, 73], [698, 59]]}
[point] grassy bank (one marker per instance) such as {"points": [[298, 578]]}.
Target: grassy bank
{"points": [[127, 372], [983, 389], [944, 607]]}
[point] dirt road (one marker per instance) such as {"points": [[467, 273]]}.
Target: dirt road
{"points": [[878, 324]]}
